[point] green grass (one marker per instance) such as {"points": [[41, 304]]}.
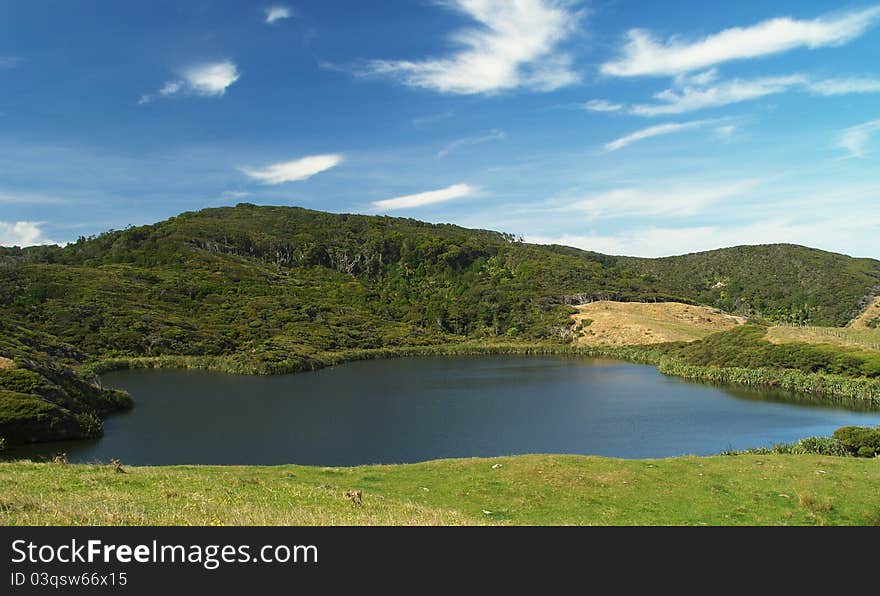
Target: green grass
{"points": [[533, 489]]}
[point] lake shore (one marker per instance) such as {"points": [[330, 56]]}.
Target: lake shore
{"points": [[827, 386]]}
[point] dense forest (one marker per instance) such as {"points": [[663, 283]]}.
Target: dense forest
{"points": [[273, 285]]}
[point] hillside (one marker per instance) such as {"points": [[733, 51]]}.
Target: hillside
{"points": [[41, 397], [779, 282], [640, 323], [266, 289]]}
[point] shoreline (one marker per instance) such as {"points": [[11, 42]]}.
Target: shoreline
{"points": [[833, 388]]}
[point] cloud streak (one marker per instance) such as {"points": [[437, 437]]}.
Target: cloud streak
{"points": [[493, 135], [654, 131], [645, 55], [856, 138], [602, 105], [515, 46], [293, 171], [450, 193], [692, 98], [680, 201]]}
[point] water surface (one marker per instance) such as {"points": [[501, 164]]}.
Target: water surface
{"points": [[415, 409]]}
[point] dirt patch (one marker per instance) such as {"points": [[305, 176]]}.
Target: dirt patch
{"points": [[6, 363], [867, 318], [638, 323]]}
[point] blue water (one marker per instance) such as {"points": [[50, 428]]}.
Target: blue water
{"points": [[415, 409]]}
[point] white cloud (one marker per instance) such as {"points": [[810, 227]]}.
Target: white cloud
{"points": [[210, 79], [516, 45], [291, 171], [22, 233], [679, 201], [602, 105], [855, 139], [654, 131], [456, 191], [854, 237], [493, 135], [645, 55], [846, 86], [693, 98], [278, 13]]}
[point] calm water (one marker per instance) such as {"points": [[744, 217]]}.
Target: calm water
{"points": [[414, 409]]}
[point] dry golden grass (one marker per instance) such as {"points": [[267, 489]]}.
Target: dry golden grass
{"points": [[861, 338], [6, 363], [638, 323], [871, 313]]}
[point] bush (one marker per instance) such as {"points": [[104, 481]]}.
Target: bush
{"points": [[808, 446], [859, 440], [820, 446]]}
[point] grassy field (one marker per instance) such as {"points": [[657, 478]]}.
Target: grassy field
{"points": [[534, 489], [849, 337], [637, 323]]}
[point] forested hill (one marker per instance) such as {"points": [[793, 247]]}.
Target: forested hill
{"points": [[218, 280]]}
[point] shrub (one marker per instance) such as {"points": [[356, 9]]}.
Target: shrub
{"points": [[820, 446], [859, 441], [90, 425]]}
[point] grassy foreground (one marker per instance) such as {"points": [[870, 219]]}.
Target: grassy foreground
{"points": [[533, 489]]}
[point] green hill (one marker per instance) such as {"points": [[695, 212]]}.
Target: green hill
{"points": [[268, 289], [779, 282]]}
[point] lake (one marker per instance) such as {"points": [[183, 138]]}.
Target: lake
{"points": [[415, 409]]}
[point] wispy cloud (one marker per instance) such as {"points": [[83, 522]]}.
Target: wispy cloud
{"points": [[856, 139], [602, 105], [655, 131], [516, 45], [29, 198], [846, 86], [10, 61], [852, 236], [691, 95], [424, 121], [493, 135], [207, 80], [278, 13], [22, 233], [450, 193], [645, 55], [292, 171], [692, 98], [678, 201]]}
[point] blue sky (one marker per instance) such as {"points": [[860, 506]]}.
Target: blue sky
{"points": [[626, 127]]}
